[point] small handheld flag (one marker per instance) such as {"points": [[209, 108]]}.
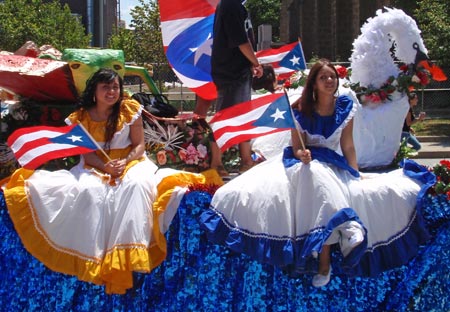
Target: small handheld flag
{"points": [[33, 146], [285, 60], [261, 116]]}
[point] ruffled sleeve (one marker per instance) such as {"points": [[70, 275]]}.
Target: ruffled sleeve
{"points": [[75, 117], [345, 110], [130, 110]]}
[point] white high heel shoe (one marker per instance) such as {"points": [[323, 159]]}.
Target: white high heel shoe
{"points": [[320, 280]]}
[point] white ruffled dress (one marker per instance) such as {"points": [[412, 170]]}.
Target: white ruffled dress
{"points": [[282, 211], [81, 223]]}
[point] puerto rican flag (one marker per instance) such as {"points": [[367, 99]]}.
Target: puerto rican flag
{"points": [[285, 60], [187, 30], [34, 146], [261, 116]]}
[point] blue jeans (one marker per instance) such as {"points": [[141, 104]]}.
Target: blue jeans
{"points": [[411, 140]]}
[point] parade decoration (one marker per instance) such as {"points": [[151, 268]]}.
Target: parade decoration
{"points": [[189, 55], [389, 60]]}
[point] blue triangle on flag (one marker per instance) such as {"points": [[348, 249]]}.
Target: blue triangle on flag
{"points": [[295, 59], [277, 115], [77, 137]]}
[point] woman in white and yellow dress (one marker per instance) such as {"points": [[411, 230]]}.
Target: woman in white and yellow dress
{"points": [[98, 221]]}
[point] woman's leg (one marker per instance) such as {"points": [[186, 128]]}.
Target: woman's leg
{"points": [[414, 142], [323, 276]]}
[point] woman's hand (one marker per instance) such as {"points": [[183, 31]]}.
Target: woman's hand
{"points": [[115, 167], [304, 156]]}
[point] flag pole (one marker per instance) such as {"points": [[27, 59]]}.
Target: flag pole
{"points": [[295, 121], [93, 140]]}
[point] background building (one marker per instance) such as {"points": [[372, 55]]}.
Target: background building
{"points": [[327, 28], [99, 18]]}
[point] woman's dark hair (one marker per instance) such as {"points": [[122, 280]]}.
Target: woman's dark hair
{"points": [[266, 81], [308, 99], [87, 100], [412, 95]]}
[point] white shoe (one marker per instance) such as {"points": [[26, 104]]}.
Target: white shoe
{"points": [[355, 239], [320, 280]]}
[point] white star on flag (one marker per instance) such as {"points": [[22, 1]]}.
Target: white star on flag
{"points": [[295, 60], [278, 115], [75, 138], [204, 49]]}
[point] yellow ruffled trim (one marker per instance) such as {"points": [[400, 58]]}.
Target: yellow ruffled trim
{"points": [[114, 271], [182, 179], [165, 190]]}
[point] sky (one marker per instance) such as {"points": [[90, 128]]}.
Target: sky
{"points": [[125, 8]]}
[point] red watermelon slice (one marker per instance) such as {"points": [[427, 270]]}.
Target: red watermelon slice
{"points": [[39, 79]]}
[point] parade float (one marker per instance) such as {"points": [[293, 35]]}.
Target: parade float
{"points": [[200, 276]]}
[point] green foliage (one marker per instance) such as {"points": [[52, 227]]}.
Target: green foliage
{"points": [[142, 44], [433, 17], [44, 23], [265, 12], [408, 6], [124, 40], [404, 152]]}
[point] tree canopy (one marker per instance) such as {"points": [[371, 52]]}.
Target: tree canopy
{"points": [[44, 23], [433, 17], [265, 12]]}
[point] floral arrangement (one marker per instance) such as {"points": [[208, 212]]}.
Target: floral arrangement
{"points": [[297, 79], [442, 172], [182, 145], [410, 78]]}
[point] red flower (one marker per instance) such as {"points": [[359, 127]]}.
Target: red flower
{"points": [[424, 80], [404, 68], [342, 71]]}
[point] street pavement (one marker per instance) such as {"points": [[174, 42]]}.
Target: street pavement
{"points": [[434, 149]]}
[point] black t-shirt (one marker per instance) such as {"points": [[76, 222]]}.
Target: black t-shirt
{"points": [[231, 28], [407, 128]]}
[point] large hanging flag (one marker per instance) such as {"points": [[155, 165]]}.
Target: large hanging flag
{"points": [[261, 116], [285, 60], [33, 146], [187, 27]]}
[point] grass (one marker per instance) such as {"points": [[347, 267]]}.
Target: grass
{"points": [[433, 127]]}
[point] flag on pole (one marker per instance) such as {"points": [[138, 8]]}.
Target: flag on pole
{"points": [[33, 146], [285, 60], [187, 30], [261, 116]]}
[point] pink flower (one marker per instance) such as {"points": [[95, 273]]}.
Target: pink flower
{"points": [[202, 151], [192, 155], [161, 158], [415, 79], [182, 154]]}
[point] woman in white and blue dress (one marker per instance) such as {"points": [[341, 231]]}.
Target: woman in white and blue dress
{"points": [[289, 210]]}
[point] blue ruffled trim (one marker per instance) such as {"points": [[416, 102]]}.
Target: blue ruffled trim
{"points": [[294, 256], [322, 154], [403, 246]]}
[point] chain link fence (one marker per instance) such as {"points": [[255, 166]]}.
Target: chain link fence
{"points": [[434, 98]]}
